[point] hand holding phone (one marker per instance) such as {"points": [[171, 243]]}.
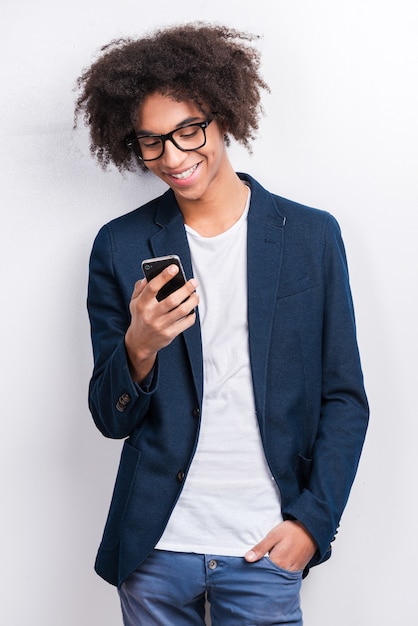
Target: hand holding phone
{"points": [[146, 334], [153, 267]]}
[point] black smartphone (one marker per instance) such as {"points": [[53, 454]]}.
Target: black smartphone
{"points": [[152, 267]]}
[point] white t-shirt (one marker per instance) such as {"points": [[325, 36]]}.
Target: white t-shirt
{"points": [[229, 501]]}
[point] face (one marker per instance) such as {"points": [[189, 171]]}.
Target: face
{"points": [[191, 175]]}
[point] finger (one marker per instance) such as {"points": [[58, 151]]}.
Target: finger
{"points": [[162, 278], [181, 295], [187, 307], [139, 287], [265, 545], [257, 552]]}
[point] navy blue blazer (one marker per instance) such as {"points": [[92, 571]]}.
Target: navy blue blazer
{"points": [[309, 396]]}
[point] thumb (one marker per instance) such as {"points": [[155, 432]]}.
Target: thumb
{"points": [[257, 552]]}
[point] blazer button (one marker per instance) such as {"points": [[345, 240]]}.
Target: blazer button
{"points": [[180, 476], [123, 401], [196, 411]]}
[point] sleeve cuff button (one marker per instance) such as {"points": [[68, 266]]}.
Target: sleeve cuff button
{"points": [[123, 401]]}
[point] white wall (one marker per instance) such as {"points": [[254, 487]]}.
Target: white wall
{"points": [[340, 133]]}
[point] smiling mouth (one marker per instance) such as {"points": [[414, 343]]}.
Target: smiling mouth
{"points": [[186, 173]]}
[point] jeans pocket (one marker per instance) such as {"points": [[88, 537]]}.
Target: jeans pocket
{"points": [[293, 574]]}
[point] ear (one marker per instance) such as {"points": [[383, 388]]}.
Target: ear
{"points": [[224, 127], [224, 130]]}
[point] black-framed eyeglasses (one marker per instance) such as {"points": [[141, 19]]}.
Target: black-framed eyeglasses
{"points": [[186, 138]]}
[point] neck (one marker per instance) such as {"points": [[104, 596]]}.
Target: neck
{"points": [[222, 206]]}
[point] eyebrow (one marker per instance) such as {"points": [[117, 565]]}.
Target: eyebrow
{"points": [[185, 122]]}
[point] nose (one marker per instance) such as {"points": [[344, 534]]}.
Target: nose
{"points": [[172, 155]]}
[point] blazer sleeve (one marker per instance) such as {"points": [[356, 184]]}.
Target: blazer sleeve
{"points": [[344, 409], [118, 404]]}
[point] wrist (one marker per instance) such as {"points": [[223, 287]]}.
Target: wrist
{"points": [[140, 362]]}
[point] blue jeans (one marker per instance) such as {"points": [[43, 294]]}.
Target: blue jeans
{"points": [[169, 589]]}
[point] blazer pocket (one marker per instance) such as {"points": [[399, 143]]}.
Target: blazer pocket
{"points": [[303, 471], [294, 287], [128, 467]]}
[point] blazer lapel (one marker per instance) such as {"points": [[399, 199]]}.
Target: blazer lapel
{"points": [[264, 252], [172, 239]]}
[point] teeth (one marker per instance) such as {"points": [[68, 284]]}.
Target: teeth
{"points": [[186, 173]]}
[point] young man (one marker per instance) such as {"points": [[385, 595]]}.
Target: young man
{"points": [[241, 393]]}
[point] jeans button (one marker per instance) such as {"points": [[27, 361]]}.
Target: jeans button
{"points": [[212, 564]]}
